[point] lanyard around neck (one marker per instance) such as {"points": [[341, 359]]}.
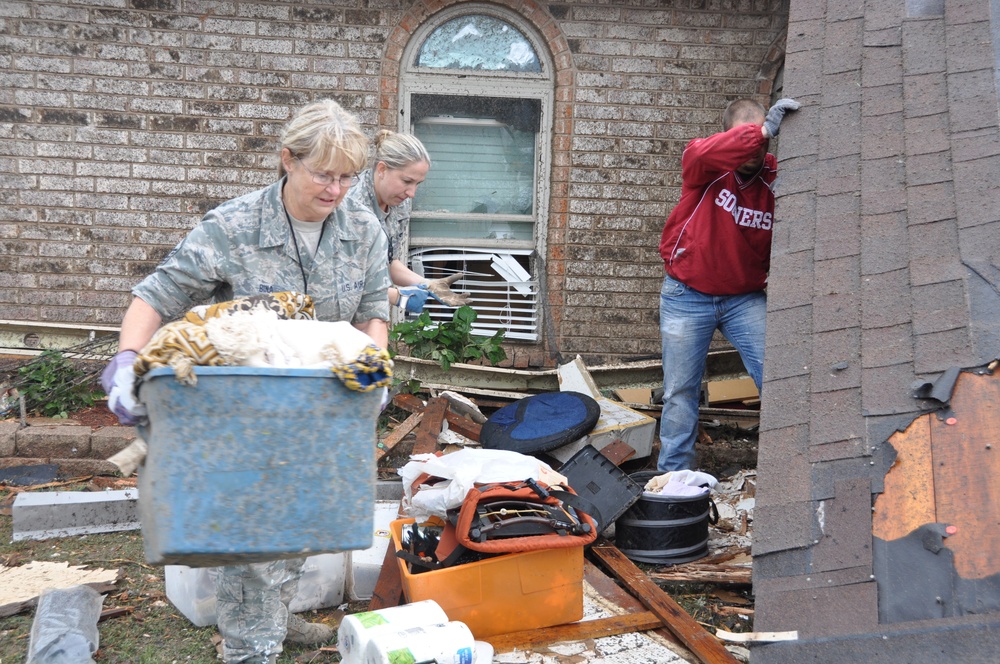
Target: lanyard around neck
{"points": [[298, 254]]}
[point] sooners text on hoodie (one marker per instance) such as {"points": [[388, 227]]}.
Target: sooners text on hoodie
{"points": [[717, 239]]}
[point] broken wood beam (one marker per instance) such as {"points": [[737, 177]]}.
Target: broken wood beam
{"points": [[612, 591], [430, 427], [399, 433], [701, 643], [456, 422], [695, 573], [388, 590], [114, 613], [578, 631]]}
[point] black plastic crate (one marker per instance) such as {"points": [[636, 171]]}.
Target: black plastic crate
{"points": [[598, 481]]}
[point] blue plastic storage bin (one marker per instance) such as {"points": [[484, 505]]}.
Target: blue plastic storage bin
{"points": [[255, 464]]}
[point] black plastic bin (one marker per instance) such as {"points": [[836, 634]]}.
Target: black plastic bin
{"points": [[663, 529]]}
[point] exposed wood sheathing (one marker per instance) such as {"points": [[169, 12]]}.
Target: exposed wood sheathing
{"points": [[945, 472]]}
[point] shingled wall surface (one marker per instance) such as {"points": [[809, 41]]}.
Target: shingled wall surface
{"points": [[123, 121], [884, 276]]}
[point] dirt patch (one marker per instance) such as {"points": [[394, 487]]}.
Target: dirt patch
{"points": [[725, 450], [96, 417]]}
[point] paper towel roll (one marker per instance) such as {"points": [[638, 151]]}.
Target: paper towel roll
{"points": [[356, 629], [445, 643], [484, 653]]}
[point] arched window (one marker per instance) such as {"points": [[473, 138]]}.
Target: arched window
{"points": [[477, 89]]}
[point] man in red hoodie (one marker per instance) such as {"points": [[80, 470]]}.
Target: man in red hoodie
{"points": [[716, 248]]}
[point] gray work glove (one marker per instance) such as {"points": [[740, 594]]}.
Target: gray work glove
{"points": [[777, 113], [441, 290]]}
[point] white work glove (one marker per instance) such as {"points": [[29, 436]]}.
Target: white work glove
{"points": [[118, 381], [777, 113], [442, 292]]}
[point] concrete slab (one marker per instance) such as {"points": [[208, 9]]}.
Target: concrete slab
{"points": [[65, 513]]}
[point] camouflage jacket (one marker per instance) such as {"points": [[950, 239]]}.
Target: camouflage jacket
{"points": [[244, 247], [395, 222]]}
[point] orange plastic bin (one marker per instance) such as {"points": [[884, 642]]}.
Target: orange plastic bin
{"points": [[508, 593]]}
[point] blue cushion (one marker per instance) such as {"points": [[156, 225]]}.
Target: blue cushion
{"points": [[541, 422]]}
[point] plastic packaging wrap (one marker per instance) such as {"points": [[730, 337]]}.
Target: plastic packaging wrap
{"points": [[65, 627]]}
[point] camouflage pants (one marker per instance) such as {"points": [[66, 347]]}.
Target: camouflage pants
{"points": [[252, 608]]}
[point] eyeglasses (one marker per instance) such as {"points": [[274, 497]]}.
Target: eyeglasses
{"points": [[326, 179]]}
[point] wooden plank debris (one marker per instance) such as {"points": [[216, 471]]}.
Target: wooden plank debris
{"points": [[388, 591], [458, 423], [704, 646], [578, 631], [397, 435], [430, 427], [756, 637], [705, 573]]}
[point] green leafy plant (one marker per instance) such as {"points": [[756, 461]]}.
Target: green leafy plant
{"points": [[53, 386], [449, 342]]}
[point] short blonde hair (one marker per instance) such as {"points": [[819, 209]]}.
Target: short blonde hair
{"points": [[398, 150], [328, 134]]}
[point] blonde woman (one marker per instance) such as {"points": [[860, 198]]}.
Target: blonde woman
{"points": [[293, 235], [387, 189]]}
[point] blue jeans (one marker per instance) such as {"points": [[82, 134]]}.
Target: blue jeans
{"points": [[688, 319]]}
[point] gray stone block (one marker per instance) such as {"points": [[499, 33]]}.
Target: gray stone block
{"points": [[65, 442], [388, 490], [107, 442], [8, 434]]}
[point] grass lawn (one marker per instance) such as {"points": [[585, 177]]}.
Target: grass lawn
{"points": [[151, 631]]}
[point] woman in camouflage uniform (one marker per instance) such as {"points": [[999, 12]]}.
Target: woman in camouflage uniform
{"points": [[387, 189], [294, 235]]}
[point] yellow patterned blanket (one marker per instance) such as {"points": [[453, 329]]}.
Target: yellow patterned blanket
{"points": [[250, 331]]}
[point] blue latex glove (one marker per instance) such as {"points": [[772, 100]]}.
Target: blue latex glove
{"points": [[413, 298], [777, 113], [118, 381]]}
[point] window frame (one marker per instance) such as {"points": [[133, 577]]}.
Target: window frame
{"points": [[490, 83], [414, 80]]}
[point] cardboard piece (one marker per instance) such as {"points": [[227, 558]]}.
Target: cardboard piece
{"points": [[640, 395], [727, 391]]}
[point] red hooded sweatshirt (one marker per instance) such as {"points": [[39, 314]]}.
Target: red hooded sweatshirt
{"points": [[717, 239]]}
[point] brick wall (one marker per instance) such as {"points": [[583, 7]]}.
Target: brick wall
{"points": [[123, 121]]}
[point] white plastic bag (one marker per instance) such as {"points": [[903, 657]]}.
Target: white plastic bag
{"points": [[463, 470]]}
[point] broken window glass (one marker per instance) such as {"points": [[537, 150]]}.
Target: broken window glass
{"points": [[478, 42]]}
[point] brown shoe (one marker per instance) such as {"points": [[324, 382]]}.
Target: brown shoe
{"points": [[300, 631]]}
